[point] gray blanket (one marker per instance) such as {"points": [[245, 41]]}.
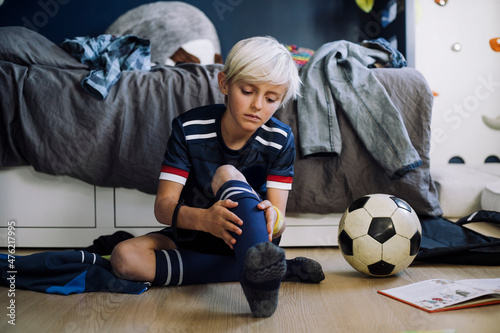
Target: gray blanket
{"points": [[48, 121], [329, 183]]}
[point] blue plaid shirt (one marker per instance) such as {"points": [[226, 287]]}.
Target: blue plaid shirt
{"points": [[107, 56]]}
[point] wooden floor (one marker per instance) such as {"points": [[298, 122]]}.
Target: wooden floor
{"points": [[345, 301]]}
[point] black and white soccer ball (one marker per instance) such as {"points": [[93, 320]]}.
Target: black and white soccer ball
{"points": [[379, 234]]}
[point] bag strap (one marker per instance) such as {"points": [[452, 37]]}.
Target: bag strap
{"points": [[481, 216]]}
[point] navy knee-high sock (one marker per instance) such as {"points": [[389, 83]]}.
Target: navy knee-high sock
{"points": [[261, 263], [254, 228], [176, 267], [189, 267], [254, 231], [183, 267]]}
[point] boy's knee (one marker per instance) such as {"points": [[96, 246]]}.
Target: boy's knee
{"points": [[224, 174], [228, 172], [122, 259]]}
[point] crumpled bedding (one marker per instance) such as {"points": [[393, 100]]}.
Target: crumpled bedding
{"points": [[49, 122], [329, 183]]}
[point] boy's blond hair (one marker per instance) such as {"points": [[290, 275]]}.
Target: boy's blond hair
{"points": [[260, 60]]}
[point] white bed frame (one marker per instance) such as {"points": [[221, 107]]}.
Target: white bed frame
{"points": [[61, 212]]}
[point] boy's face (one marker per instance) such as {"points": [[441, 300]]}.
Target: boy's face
{"points": [[250, 106]]}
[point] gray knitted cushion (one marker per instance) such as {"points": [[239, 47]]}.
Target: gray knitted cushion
{"points": [[168, 25]]}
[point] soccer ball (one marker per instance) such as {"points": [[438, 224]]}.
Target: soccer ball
{"points": [[379, 234]]}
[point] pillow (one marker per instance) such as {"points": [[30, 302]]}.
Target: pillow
{"points": [[168, 25], [202, 49]]}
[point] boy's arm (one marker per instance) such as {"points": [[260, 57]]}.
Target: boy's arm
{"points": [[167, 197], [277, 198], [217, 220]]}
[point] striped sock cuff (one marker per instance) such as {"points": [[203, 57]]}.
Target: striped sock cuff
{"points": [[236, 188], [169, 268]]}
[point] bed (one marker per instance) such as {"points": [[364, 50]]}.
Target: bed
{"points": [[50, 123]]}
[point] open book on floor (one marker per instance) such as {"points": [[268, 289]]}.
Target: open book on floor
{"points": [[442, 295]]}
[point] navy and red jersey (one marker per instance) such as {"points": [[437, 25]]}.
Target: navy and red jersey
{"points": [[196, 149]]}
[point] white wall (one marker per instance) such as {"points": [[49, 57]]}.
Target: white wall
{"points": [[468, 81]]}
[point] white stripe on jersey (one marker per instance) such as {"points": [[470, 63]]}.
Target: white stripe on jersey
{"points": [[174, 178], [201, 136], [199, 122], [278, 185], [275, 130], [267, 143]]}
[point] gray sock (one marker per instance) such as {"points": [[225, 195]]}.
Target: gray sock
{"points": [[303, 269], [265, 266]]}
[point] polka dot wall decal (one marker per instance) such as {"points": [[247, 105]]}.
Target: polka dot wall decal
{"points": [[495, 44]]}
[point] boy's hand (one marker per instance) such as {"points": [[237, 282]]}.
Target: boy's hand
{"points": [[271, 216], [220, 221]]}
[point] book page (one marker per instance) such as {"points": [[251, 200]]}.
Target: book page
{"points": [[492, 285], [440, 293]]}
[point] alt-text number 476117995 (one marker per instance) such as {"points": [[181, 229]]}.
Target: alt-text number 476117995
{"points": [[11, 272]]}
